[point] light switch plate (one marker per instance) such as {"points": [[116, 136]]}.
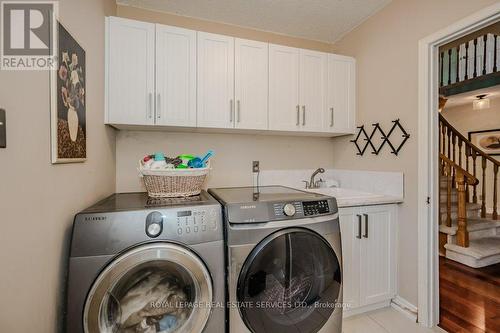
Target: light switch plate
{"points": [[3, 129]]}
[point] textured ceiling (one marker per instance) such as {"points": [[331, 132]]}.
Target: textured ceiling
{"points": [[321, 20]]}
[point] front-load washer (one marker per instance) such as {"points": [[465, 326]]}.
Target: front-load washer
{"points": [[284, 260], [140, 264]]}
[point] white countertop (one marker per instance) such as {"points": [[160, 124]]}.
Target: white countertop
{"points": [[351, 198]]}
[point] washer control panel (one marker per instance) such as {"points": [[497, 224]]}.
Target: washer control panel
{"points": [[316, 207], [300, 209]]}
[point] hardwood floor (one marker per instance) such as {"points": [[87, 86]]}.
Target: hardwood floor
{"points": [[469, 298]]}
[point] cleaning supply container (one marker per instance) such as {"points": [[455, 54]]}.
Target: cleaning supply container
{"points": [[172, 183]]}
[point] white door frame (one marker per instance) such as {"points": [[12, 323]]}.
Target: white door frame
{"points": [[428, 148]]}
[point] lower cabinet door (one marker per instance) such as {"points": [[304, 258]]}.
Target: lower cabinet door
{"points": [[377, 254], [349, 231]]}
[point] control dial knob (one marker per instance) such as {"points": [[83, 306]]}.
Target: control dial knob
{"points": [[289, 209], [154, 224]]}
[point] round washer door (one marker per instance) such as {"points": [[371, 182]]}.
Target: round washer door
{"points": [[152, 288], [290, 282]]}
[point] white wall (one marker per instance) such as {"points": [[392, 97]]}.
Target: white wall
{"points": [[234, 154], [386, 51], [37, 199]]}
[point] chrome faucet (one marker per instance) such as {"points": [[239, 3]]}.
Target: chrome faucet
{"points": [[311, 184]]}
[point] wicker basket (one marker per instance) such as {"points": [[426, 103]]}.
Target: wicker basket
{"points": [[174, 183]]}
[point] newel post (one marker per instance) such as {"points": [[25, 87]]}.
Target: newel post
{"points": [[462, 233]]}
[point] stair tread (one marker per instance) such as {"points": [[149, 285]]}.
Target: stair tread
{"points": [[478, 248], [473, 224]]}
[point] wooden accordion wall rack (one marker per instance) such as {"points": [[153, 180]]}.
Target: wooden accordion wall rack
{"points": [[386, 138]]}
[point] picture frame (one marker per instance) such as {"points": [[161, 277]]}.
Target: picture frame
{"points": [[487, 140], [68, 101]]}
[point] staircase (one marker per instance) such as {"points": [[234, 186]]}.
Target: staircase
{"points": [[468, 233]]}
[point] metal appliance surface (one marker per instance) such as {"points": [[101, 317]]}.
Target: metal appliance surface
{"points": [[284, 270], [130, 245]]}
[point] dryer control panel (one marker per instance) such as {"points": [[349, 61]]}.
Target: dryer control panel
{"points": [[196, 221], [111, 232]]}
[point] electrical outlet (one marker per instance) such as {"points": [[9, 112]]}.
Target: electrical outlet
{"points": [[255, 166]]}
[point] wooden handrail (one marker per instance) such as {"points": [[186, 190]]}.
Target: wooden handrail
{"points": [[470, 179], [467, 142], [461, 179]]}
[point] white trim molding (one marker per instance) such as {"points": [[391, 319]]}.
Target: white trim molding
{"points": [[428, 147], [405, 307]]}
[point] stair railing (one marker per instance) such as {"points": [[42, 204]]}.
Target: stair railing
{"points": [[452, 145], [456, 174], [475, 58]]}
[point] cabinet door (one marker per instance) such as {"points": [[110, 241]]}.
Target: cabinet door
{"points": [[251, 84], [312, 89], [350, 233], [130, 72], [215, 81], [175, 76], [341, 94], [378, 248], [283, 88]]}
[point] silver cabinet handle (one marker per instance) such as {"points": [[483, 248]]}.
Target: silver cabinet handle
{"points": [[298, 115], [303, 115], [158, 108], [239, 108], [150, 106], [231, 111], [331, 117], [366, 226], [359, 226]]}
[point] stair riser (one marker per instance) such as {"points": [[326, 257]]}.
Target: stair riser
{"points": [[443, 200], [478, 234], [454, 215], [472, 262]]}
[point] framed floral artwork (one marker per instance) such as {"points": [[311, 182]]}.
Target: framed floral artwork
{"points": [[68, 105], [488, 141]]}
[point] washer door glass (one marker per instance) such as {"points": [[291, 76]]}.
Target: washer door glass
{"points": [[153, 288], [289, 283]]}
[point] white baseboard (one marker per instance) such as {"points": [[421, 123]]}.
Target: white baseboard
{"points": [[367, 308], [408, 309]]}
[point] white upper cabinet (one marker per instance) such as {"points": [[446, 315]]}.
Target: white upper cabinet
{"points": [[170, 76], [175, 76], [312, 89], [341, 94], [130, 72], [251, 84], [216, 103], [283, 88]]}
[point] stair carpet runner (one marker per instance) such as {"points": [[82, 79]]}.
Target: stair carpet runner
{"points": [[484, 233]]}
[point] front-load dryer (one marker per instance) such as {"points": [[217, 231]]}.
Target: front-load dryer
{"points": [[139, 264], [284, 260]]}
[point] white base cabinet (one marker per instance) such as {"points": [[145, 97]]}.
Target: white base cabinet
{"points": [[369, 255]]}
